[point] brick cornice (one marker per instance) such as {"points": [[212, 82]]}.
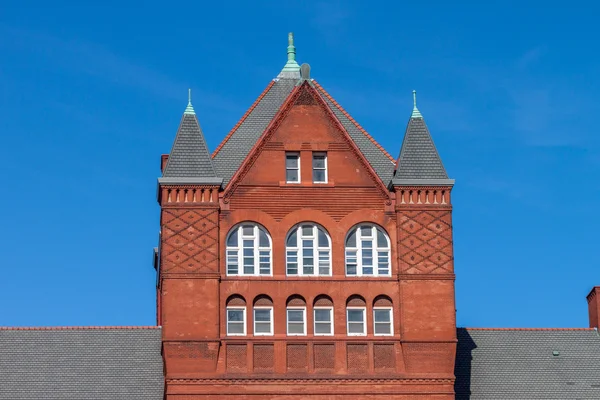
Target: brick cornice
{"points": [[427, 277], [359, 379]]}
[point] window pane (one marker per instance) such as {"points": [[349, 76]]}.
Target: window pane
{"points": [[307, 230], [367, 244], [291, 175], [355, 315], [262, 327], [296, 328], [235, 315], [381, 239], [292, 240], [262, 315], [383, 328], [382, 315], [232, 240], [323, 242], [248, 230], [323, 328], [318, 160], [291, 161], [235, 328], [351, 240], [355, 327], [322, 315], [366, 231], [263, 239], [295, 315], [318, 175]]}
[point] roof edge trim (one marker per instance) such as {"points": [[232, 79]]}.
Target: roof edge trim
{"points": [[422, 182], [190, 181]]}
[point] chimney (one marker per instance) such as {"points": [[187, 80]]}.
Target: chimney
{"points": [[594, 306]]}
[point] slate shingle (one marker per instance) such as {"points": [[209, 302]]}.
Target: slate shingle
{"points": [[519, 364], [81, 363]]}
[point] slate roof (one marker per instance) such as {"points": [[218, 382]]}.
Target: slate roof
{"points": [[81, 363], [506, 364], [419, 159], [189, 156], [231, 153]]}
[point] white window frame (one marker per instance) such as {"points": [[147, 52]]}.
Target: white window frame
{"points": [[354, 255], [271, 322], [297, 156], [236, 253], [235, 308], [364, 312], [331, 324], [287, 317], [324, 154], [391, 311], [321, 254]]}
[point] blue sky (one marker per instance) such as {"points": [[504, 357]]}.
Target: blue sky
{"points": [[91, 96]]}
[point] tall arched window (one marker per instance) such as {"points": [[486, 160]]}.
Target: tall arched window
{"points": [[367, 251], [308, 250], [248, 250]]}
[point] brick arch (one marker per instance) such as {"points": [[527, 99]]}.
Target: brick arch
{"points": [[308, 216], [234, 218], [263, 300], [382, 301], [235, 300], [356, 300], [296, 300], [323, 300], [248, 222]]}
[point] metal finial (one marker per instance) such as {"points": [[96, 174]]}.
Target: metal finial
{"points": [[189, 109], [291, 65], [415, 112]]}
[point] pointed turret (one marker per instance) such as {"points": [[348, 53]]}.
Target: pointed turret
{"points": [[419, 162], [189, 161]]}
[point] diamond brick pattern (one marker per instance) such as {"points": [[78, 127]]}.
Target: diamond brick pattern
{"points": [[425, 242], [190, 241], [297, 358], [358, 357], [384, 357], [324, 355], [264, 357], [236, 357]]}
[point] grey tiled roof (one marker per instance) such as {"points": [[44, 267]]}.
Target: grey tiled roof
{"points": [[189, 156], [519, 364], [236, 148], [380, 162], [81, 363], [419, 158]]}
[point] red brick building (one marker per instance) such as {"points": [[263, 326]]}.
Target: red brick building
{"points": [[301, 259]]}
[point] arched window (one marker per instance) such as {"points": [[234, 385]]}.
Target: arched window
{"points": [[263, 316], [308, 250], [236, 316], [367, 251], [248, 250]]}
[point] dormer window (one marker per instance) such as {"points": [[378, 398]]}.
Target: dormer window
{"points": [[319, 165], [292, 167]]}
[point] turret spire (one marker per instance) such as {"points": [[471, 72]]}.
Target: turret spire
{"points": [[291, 65], [415, 113], [189, 109]]}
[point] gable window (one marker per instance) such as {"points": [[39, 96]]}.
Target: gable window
{"points": [[367, 251], [263, 321], [308, 251], [236, 321], [292, 167], [382, 321], [355, 317], [296, 317], [319, 166], [323, 321], [248, 250]]}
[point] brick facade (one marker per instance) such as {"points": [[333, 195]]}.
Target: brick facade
{"points": [[195, 290]]}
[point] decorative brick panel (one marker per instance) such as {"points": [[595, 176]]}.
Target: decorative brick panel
{"points": [[236, 358], [384, 356], [191, 356], [358, 357], [189, 240], [425, 242], [324, 355], [297, 358], [264, 358], [429, 357]]}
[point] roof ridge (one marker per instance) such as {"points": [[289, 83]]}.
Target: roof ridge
{"points": [[72, 328], [529, 329], [236, 126], [358, 126]]}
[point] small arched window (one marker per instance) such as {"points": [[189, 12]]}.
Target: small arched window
{"points": [[308, 250], [367, 251], [248, 250]]}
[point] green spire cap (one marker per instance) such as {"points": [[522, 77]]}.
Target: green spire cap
{"points": [[189, 109], [291, 65], [415, 113]]}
